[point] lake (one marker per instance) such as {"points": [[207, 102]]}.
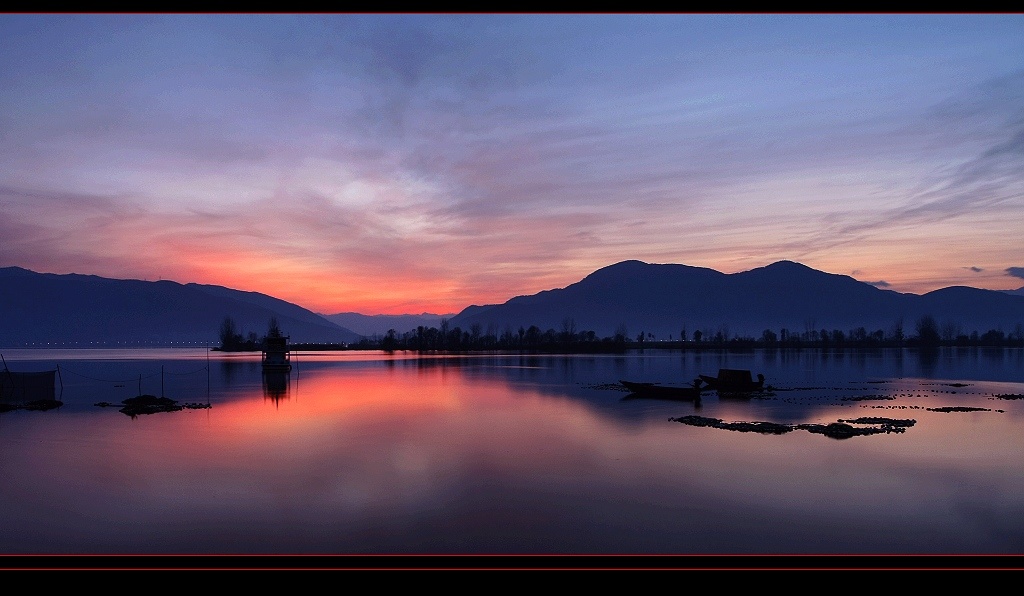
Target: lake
{"points": [[366, 452]]}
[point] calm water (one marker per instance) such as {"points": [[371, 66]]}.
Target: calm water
{"points": [[370, 453]]}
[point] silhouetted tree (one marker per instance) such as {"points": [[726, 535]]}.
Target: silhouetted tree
{"points": [[533, 336], [897, 330], [950, 330], [443, 334], [507, 337], [928, 331], [390, 342], [275, 329], [993, 337], [568, 330], [230, 338]]}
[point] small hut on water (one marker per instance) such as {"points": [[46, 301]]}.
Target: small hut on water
{"points": [[276, 355]]}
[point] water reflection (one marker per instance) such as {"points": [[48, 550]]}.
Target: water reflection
{"points": [[530, 454], [234, 366], [929, 359], [275, 385]]}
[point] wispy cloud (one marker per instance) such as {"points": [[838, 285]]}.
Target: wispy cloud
{"points": [[989, 184], [421, 162]]}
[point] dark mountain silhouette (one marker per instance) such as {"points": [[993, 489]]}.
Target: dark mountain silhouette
{"points": [[370, 325], [81, 309], [663, 299], [1017, 292]]}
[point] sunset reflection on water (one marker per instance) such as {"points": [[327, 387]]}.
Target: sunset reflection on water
{"points": [[380, 454]]}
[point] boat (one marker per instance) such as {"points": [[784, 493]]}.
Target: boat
{"points": [[733, 380], [653, 390]]}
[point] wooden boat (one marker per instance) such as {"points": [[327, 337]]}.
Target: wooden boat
{"points": [[653, 390], [732, 380]]}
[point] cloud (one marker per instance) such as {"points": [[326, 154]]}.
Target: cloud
{"points": [[974, 269], [314, 251], [1015, 271], [988, 182], [879, 284], [461, 153]]}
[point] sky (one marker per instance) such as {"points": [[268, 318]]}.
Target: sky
{"points": [[389, 164]]}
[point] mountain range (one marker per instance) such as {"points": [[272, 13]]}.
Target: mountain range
{"points": [[36, 308], [664, 300], [632, 296]]}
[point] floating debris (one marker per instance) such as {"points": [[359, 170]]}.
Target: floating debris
{"points": [[895, 407], [840, 430], [608, 387], [835, 430], [764, 428], [770, 428], [39, 405], [880, 420], [151, 404], [868, 398]]}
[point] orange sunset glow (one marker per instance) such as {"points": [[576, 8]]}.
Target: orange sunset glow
{"points": [[389, 164]]}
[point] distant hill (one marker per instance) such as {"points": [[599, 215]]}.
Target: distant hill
{"points": [[370, 325], [82, 309], [663, 299]]}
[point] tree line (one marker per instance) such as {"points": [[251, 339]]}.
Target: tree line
{"points": [[926, 332], [232, 339]]}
